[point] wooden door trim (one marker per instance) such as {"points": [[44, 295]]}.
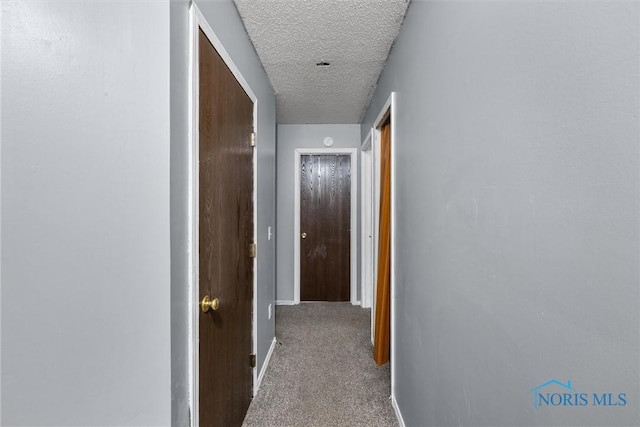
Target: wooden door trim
{"points": [[387, 111], [198, 22], [353, 276]]}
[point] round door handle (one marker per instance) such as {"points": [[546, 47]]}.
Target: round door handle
{"points": [[303, 235], [209, 304]]}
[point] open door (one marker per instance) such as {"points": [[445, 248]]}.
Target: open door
{"points": [[225, 237], [382, 329]]}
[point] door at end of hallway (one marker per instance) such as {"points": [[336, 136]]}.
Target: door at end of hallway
{"points": [[325, 227]]}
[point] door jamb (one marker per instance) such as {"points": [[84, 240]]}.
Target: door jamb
{"points": [[369, 197], [353, 277], [197, 21], [366, 221], [387, 111]]}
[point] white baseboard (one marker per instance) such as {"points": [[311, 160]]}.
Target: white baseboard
{"points": [[394, 403], [287, 302], [264, 367]]}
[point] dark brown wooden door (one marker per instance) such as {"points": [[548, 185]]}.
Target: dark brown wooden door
{"points": [[225, 234], [325, 221]]}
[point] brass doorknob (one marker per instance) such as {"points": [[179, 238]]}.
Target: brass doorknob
{"points": [[209, 304], [303, 235]]}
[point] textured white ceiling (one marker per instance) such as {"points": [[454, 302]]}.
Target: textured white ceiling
{"points": [[292, 36]]}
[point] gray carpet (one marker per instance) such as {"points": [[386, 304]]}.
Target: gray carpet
{"points": [[321, 372]]}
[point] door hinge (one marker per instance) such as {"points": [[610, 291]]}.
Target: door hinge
{"points": [[253, 139], [253, 250], [252, 360]]}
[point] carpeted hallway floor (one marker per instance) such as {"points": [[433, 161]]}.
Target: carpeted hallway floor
{"points": [[321, 372]]}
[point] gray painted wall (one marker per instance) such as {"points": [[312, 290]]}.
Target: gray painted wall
{"points": [[291, 137], [88, 142], [85, 213], [225, 21], [517, 203]]}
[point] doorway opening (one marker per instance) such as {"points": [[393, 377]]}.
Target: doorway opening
{"points": [[372, 179]]}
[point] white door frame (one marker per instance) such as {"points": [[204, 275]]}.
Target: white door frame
{"points": [[354, 218], [387, 111], [197, 21], [366, 222]]}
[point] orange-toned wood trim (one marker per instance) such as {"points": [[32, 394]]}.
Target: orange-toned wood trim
{"points": [[381, 340]]}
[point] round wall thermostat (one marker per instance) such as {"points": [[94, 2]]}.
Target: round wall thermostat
{"points": [[328, 141]]}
